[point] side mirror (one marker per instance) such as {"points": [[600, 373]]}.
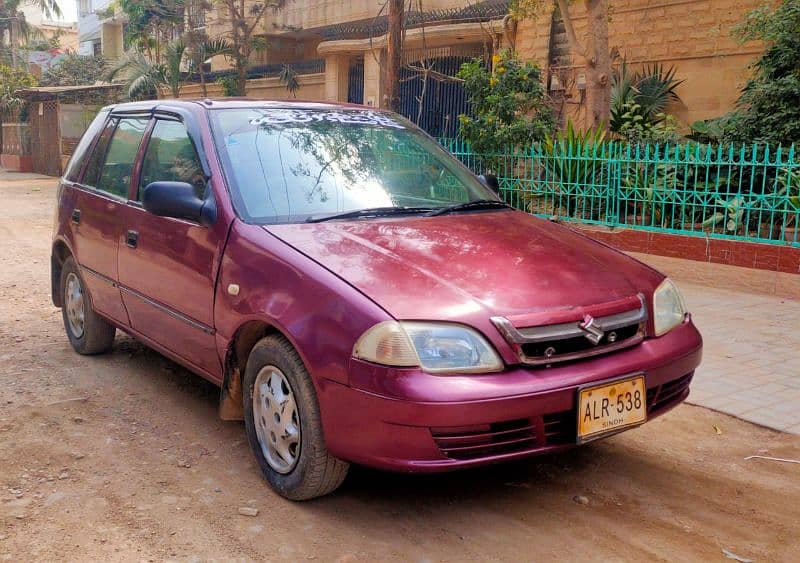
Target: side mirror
{"points": [[490, 180], [178, 200]]}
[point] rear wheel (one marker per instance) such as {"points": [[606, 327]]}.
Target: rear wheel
{"points": [[88, 332], [283, 423]]}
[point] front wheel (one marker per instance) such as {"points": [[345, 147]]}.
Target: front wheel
{"points": [[283, 423], [88, 332]]}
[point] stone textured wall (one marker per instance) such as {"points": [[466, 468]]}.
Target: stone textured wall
{"points": [[692, 35]]}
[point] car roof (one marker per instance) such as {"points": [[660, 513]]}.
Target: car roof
{"points": [[225, 103]]}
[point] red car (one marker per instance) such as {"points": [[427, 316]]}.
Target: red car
{"points": [[358, 294]]}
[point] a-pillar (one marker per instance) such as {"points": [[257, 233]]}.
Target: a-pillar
{"points": [[337, 69]]}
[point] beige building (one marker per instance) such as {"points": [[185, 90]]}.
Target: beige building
{"points": [[67, 32], [348, 39], [694, 36], [100, 28], [345, 43]]}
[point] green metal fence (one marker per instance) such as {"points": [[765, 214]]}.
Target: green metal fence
{"points": [[747, 192]]}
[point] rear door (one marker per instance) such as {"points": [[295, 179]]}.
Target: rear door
{"points": [[167, 267], [98, 209]]}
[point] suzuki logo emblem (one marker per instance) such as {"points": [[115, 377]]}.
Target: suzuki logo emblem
{"points": [[591, 332]]}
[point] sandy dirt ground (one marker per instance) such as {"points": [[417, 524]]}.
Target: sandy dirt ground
{"points": [[122, 457]]}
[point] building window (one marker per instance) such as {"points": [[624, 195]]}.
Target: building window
{"points": [[195, 14]]}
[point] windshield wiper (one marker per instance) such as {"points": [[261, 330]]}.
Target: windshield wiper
{"points": [[477, 204], [370, 212]]}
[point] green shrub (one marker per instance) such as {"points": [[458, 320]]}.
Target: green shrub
{"points": [[12, 79], [75, 70], [230, 85], [639, 101], [509, 104], [576, 162], [768, 107]]}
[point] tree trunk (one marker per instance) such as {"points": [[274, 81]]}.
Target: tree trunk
{"points": [[203, 80], [597, 57], [598, 65], [241, 77], [394, 50]]}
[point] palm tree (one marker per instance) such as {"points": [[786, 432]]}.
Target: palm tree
{"points": [[144, 78], [201, 50]]}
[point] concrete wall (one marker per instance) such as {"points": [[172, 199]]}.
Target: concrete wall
{"points": [[312, 88], [692, 35]]}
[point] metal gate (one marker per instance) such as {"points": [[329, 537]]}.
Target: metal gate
{"points": [[429, 99], [355, 81], [45, 137]]}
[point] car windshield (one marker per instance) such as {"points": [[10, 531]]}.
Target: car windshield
{"points": [[294, 165]]}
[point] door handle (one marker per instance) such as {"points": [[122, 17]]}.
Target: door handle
{"points": [[76, 216], [132, 239]]}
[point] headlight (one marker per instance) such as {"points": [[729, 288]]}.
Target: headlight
{"points": [[435, 347], [669, 309]]}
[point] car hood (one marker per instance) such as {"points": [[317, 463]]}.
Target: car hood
{"points": [[453, 267]]}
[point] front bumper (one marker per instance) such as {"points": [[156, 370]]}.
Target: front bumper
{"points": [[408, 420]]}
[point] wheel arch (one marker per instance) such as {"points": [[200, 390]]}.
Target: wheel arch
{"points": [[58, 255], [241, 345]]}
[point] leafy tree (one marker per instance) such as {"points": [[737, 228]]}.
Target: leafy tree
{"points": [[151, 24], [12, 79], [509, 104], [243, 19], [593, 49], [769, 104], [75, 70]]}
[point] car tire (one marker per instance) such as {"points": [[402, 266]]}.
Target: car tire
{"points": [[88, 332], [283, 423]]}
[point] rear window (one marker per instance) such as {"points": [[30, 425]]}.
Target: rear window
{"points": [[73, 171]]}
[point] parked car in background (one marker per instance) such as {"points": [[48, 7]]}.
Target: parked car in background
{"points": [[358, 295]]}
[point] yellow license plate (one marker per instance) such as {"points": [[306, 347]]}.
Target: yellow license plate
{"points": [[603, 409]]}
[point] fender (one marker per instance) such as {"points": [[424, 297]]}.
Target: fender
{"points": [[275, 289]]}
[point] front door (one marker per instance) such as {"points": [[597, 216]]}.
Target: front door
{"points": [[98, 210], [167, 267]]}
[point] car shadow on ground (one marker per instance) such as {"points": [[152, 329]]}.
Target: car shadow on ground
{"points": [[507, 478]]}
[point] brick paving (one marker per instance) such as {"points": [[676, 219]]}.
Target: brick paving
{"points": [[751, 360]]}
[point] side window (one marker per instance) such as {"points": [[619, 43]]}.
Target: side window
{"points": [[115, 175], [95, 163], [81, 150], [170, 156]]}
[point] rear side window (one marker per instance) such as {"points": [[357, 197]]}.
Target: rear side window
{"points": [[81, 151], [117, 169], [171, 157], [98, 155]]}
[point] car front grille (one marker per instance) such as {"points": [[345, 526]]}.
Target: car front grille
{"points": [[545, 345]]}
